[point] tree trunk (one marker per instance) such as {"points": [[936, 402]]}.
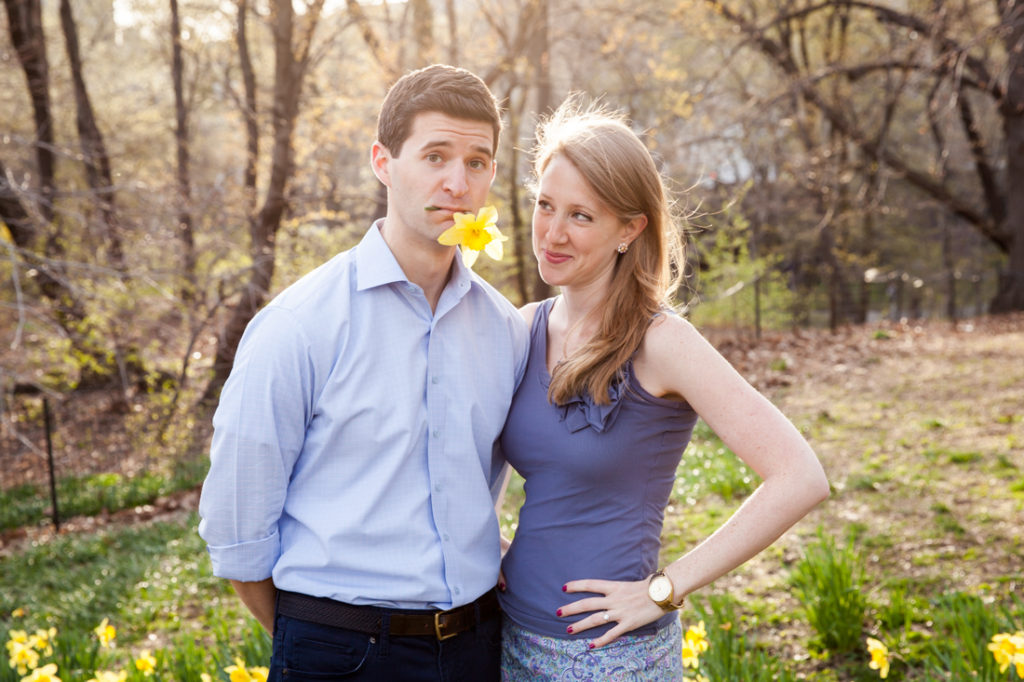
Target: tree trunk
{"points": [[13, 213], [291, 57], [252, 131], [1011, 282], [453, 33], [26, 29], [541, 60], [94, 150], [185, 224], [520, 233], [25, 23], [423, 32]]}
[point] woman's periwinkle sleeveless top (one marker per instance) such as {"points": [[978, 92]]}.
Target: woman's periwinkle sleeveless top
{"points": [[598, 478]]}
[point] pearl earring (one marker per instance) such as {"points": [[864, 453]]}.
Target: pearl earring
{"points": [[623, 247]]}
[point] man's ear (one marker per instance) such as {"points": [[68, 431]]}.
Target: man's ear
{"points": [[379, 157]]}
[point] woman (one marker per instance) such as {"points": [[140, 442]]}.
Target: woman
{"points": [[613, 387]]}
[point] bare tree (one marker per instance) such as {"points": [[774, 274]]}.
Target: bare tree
{"points": [[950, 63], [292, 45], [94, 149], [181, 141], [25, 24]]}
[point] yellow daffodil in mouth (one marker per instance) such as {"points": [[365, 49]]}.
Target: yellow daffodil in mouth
{"points": [[475, 234]]}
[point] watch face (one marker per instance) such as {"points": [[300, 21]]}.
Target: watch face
{"points": [[660, 588]]}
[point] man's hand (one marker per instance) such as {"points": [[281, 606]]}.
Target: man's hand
{"points": [[259, 597]]}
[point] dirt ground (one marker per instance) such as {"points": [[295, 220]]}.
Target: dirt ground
{"points": [[920, 427]]}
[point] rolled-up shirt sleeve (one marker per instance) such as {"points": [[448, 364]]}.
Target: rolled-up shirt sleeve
{"points": [[259, 430]]}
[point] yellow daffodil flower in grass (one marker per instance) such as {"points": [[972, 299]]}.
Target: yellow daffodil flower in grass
{"points": [[205, 677], [691, 656], [1009, 650], [106, 633], [145, 663], [108, 676], [475, 234], [239, 673], [879, 657], [699, 678], [16, 637], [48, 673], [18, 613], [697, 638], [22, 656], [42, 641]]}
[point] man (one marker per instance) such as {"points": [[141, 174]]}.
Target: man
{"points": [[352, 481]]}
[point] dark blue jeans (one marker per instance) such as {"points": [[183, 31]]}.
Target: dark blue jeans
{"points": [[308, 651]]}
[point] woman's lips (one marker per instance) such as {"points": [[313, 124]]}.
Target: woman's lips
{"points": [[554, 257]]}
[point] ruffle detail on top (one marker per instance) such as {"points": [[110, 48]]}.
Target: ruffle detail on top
{"points": [[581, 411]]}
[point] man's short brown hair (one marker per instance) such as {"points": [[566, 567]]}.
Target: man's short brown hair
{"points": [[439, 88]]}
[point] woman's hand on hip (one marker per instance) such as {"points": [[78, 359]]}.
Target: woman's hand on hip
{"points": [[625, 603]]}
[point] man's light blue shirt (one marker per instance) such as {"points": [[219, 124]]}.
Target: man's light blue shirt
{"points": [[353, 454]]}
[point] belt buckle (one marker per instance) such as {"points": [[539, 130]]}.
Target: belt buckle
{"points": [[438, 624]]}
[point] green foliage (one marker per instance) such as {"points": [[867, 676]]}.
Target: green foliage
{"points": [[963, 625], [89, 495], [729, 273], [153, 583], [829, 583], [709, 467], [733, 653]]}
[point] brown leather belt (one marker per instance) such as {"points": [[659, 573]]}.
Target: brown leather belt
{"points": [[370, 619]]}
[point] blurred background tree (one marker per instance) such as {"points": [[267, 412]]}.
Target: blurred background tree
{"points": [[167, 166]]}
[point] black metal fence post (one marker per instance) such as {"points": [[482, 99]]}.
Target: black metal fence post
{"points": [[49, 458]]}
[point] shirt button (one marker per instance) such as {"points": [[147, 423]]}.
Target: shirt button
{"points": [[457, 591], [435, 380], [435, 433], [437, 487], [446, 537]]}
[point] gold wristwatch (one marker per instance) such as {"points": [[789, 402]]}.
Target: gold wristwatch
{"points": [[661, 591]]}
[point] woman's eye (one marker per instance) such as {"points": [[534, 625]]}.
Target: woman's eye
{"points": [[583, 217], [434, 158]]}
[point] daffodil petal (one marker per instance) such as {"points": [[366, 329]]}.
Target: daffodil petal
{"points": [[494, 249], [451, 236], [488, 215], [469, 256]]}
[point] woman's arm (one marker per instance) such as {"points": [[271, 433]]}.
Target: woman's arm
{"points": [[675, 360], [793, 481]]}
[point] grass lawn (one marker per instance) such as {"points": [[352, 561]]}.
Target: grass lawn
{"points": [[921, 545]]}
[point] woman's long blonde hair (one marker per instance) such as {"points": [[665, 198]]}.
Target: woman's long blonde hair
{"points": [[620, 170]]}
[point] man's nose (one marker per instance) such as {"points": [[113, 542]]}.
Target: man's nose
{"points": [[455, 182]]}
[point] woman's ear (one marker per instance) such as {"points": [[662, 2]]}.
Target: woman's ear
{"points": [[633, 228]]}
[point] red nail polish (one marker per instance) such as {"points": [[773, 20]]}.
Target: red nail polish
{"points": [[558, 612], [501, 586], [565, 588], [591, 645], [569, 629]]}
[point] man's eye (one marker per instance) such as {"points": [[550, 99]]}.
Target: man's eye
{"points": [[434, 158]]}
